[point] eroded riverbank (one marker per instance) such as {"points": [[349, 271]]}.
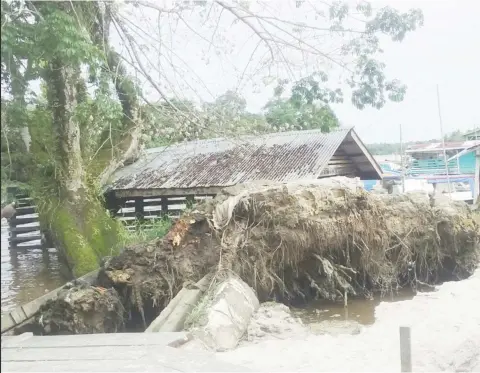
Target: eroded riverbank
{"points": [[445, 327]]}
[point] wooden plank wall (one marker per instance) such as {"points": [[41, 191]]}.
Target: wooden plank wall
{"points": [[340, 165], [146, 210], [25, 227], [24, 232]]}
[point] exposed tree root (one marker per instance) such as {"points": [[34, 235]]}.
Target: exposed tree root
{"points": [[299, 242]]}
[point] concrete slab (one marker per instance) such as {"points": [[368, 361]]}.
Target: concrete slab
{"points": [[172, 318], [224, 319]]}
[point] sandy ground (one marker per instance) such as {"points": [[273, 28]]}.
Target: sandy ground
{"points": [[445, 329]]}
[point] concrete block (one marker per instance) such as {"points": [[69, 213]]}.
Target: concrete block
{"points": [[18, 315], [227, 316], [156, 324], [7, 322], [172, 318], [176, 320]]}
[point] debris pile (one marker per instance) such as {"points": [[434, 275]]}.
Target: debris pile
{"points": [[297, 242], [82, 309]]}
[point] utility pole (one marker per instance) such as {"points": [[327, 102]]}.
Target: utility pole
{"points": [[476, 187], [402, 165], [443, 143]]}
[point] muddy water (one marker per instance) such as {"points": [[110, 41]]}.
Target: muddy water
{"points": [[27, 274], [360, 310]]}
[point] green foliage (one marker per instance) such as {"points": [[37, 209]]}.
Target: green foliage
{"points": [[181, 120], [383, 148], [360, 46], [147, 231], [307, 107]]}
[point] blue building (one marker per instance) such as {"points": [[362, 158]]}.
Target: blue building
{"points": [[428, 159]]}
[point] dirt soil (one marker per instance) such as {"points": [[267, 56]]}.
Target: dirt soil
{"points": [[82, 309], [297, 242]]}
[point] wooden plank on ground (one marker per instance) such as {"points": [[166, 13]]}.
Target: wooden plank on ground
{"points": [[112, 358], [76, 353], [85, 366], [25, 247], [92, 340]]}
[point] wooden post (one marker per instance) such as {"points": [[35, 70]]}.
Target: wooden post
{"points": [[12, 234], [112, 203], [405, 349], [164, 204], [476, 187], [189, 201], [139, 209]]}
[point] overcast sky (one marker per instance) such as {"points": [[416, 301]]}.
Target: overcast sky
{"points": [[445, 51]]}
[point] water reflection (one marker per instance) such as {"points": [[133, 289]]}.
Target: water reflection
{"points": [[27, 273], [359, 309]]}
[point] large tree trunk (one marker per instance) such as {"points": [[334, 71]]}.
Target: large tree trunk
{"points": [[79, 223], [74, 213]]}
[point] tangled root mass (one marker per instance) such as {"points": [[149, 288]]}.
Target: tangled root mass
{"points": [[297, 242]]}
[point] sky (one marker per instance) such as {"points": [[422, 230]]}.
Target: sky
{"points": [[444, 52]]}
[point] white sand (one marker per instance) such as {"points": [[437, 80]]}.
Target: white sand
{"points": [[445, 328]]}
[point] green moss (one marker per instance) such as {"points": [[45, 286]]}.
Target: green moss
{"points": [[102, 231], [84, 233], [77, 249]]}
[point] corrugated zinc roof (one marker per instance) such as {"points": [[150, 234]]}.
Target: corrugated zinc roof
{"points": [[436, 146], [282, 157]]}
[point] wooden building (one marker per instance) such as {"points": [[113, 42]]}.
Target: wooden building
{"points": [[165, 179]]}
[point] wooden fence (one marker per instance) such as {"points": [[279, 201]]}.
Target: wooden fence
{"points": [[24, 226], [146, 210]]}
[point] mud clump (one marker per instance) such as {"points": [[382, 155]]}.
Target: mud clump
{"points": [[82, 309], [297, 242], [147, 276]]}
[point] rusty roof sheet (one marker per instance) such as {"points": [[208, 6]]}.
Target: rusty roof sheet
{"points": [[282, 157]]}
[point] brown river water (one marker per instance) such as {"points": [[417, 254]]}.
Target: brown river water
{"points": [[359, 310], [26, 273]]}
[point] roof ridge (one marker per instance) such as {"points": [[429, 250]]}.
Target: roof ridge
{"points": [[247, 137]]}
